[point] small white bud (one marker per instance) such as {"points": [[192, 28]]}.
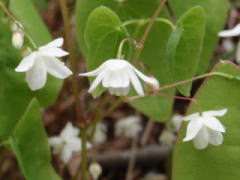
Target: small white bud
{"points": [[16, 26], [95, 170], [18, 39]]}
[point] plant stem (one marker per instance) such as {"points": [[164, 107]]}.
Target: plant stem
{"points": [[171, 13], [73, 62], [5, 9], [131, 40], [184, 82], [148, 29], [82, 170], [132, 159]]}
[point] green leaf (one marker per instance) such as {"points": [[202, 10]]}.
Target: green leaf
{"points": [[103, 35], [30, 144], [14, 92], [189, 47], [158, 108], [26, 13], [133, 9], [171, 49], [214, 162], [216, 11]]}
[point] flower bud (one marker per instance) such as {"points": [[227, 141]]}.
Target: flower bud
{"points": [[95, 170], [18, 39]]}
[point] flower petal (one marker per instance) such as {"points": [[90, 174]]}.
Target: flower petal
{"points": [[36, 77], [74, 144], [191, 117], [57, 68], [92, 73], [193, 129], [202, 138], [66, 154], [230, 33], [136, 83], [53, 44], [69, 131], [214, 124], [53, 52], [97, 81], [26, 63], [116, 79], [144, 77], [215, 113], [54, 141], [215, 138]]}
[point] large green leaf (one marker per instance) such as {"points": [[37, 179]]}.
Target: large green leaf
{"points": [[189, 47], [158, 108], [133, 9], [216, 11], [220, 162], [30, 144], [14, 92], [103, 35]]}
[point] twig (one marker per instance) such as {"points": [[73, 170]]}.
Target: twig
{"points": [[73, 62], [147, 156], [132, 159], [150, 93], [148, 29], [147, 132]]}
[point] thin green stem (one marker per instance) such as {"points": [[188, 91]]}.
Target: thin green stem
{"points": [[148, 29], [73, 62], [7, 12], [184, 82], [141, 22], [82, 170], [120, 49]]}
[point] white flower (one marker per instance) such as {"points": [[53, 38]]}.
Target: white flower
{"points": [[100, 134], [129, 127], [204, 128], [116, 75], [18, 39], [67, 142], [95, 170], [230, 33], [44, 61]]}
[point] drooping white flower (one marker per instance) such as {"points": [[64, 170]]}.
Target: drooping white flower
{"points": [[44, 61], [129, 127], [230, 33], [116, 75], [67, 143], [204, 128]]}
